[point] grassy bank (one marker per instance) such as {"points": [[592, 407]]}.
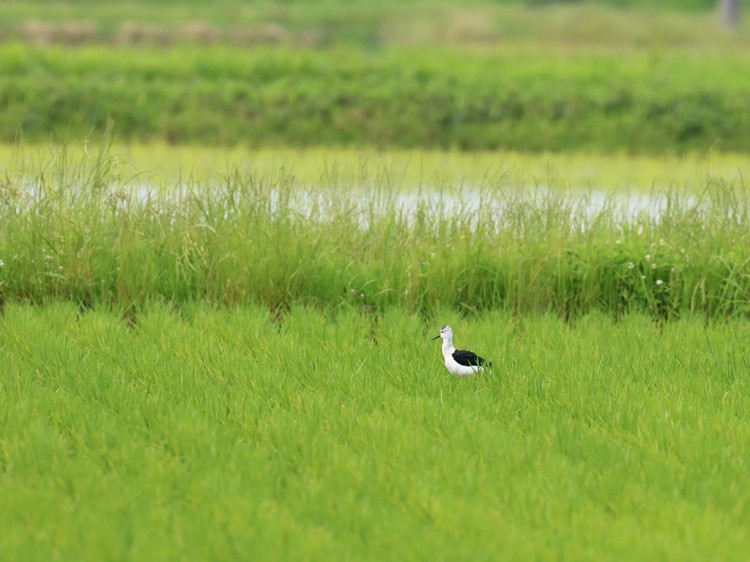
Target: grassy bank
{"points": [[85, 228], [217, 435], [639, 102]]}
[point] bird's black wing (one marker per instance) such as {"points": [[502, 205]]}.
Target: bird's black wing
{"points": [[467, 358]]}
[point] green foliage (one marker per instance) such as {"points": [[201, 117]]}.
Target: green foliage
{"points": [[635, 102], [233, 434], [78, 227]]}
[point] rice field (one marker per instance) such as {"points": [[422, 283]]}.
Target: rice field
{"points": [[228, 234], [632, 101], [238, 434]]}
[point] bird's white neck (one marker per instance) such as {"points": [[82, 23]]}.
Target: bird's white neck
{"points": [[448, 348]]}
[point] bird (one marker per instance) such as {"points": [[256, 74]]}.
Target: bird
{"points": [[459, 361]]}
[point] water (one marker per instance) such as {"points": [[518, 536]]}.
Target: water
{"points": [[585, 205], [582, 205]]}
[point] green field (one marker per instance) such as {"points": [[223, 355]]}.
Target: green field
{"points": [[233, 434], [345, 168], [407, 98], [481, 76], [229, 230]]}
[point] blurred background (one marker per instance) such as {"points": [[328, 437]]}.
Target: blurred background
{"points": [[531, 75]]}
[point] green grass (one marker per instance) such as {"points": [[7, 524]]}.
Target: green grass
{"points": [[611, 101], [77, 226], [411, 169], [231, 434]]}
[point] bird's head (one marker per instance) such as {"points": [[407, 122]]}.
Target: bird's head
{"points": [[445, 333]]}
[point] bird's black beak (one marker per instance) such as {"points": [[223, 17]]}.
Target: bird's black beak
{"points": [[436, 337]]}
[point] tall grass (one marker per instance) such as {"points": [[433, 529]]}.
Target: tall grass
{"points": [[216, 434], [83, 227]]}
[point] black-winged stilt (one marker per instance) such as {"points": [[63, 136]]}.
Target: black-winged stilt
{"points": [[459, 361]]}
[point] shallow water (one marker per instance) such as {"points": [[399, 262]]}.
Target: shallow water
{"points": [[584, 204], [472, 203]]}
